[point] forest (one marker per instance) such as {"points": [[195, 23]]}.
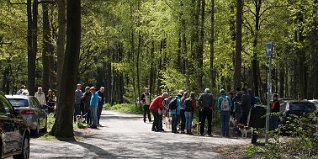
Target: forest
{"points": [[166, 45]]}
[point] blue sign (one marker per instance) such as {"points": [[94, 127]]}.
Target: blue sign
{"points": [[269, 48]]}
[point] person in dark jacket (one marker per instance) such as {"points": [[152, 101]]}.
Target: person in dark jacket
{"points": [[237, 105], [86, 101], [246, 106], [145, 101], [275, 108], [205, 103]]}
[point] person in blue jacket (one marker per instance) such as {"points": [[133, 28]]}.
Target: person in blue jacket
{"points": [[93, 107], [175, 113], [225, 107]]}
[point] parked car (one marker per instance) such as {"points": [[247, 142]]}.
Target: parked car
{"points": [[315, 101], [14, 132], [293, 108], [31, 110]]}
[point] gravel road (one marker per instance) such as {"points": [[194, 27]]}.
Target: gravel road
{"points": [[127, 136]]}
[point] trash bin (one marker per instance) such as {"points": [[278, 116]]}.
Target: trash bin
{"points": [[257, 118]]}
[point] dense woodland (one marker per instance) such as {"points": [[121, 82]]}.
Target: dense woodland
{"points": [[127, 45]]}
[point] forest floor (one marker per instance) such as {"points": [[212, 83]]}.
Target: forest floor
{"points": [[127, 136]]}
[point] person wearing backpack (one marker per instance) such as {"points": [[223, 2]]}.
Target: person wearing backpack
{"points": [[155, 107], [190, 104], [225, 107], [174, 111]]}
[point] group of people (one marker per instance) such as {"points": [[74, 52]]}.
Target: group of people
{"points": [[49, 99], [183, 106], [89, 104]]}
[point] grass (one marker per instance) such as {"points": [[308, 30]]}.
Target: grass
{"points": [[50, 123]]}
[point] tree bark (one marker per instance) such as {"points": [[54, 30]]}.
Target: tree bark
{"points": [[238, 47], [46, 49], [61, 37], [212, 79], [32, 27], [65, 107]]}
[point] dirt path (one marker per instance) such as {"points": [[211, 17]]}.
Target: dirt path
{"points": [[126, 136]]}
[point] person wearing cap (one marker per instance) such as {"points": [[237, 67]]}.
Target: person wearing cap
{"points": [[78, 99], [205, 103], [225, 107], [155, 107]]}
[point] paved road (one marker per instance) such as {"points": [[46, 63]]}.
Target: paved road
{"points": [[126, 136]]}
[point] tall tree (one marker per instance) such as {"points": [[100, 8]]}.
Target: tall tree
{"points": [[238, 47], [61, 37], [212, 79], [64, 116], [47, 48]]}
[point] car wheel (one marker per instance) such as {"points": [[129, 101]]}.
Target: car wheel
{"points": [[36, 132], [25, 154]]}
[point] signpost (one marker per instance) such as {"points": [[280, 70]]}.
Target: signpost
{"points": [[269, 48]]}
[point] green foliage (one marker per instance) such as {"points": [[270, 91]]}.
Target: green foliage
{"points": [[125, 107], [302, 143], [173, 80]]}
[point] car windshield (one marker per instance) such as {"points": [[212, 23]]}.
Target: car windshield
{"points": [[302, 106], [19, 102]]}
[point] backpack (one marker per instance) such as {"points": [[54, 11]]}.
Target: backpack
{"points": [[173, 104], [225, 105], [188, 105]]}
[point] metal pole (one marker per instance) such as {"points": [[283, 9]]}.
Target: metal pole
{"points": [[269, 94]]}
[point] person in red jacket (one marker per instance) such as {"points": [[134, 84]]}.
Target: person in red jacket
{"points": [[156, 106], [275, 108]]}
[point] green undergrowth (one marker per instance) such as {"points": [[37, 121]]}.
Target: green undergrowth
{"points": [[125, 107]]}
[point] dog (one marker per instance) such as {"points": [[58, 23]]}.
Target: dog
{"points": [[167, 122], [245, 130], [196, 127]]}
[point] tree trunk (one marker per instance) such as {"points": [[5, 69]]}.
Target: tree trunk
{"points": [[238, 47], [61, 38], [212, 77], [46, 49], [32, 26], [314, 51], [152, 68], [64, 116]]}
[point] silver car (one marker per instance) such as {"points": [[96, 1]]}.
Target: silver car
{"points": [[31, 110], [315, 101]]}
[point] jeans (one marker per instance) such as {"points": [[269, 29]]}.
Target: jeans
{"points": [[182, 119], [206, 113], [77, 111], [99, 111], [225, 123], [147, 112], [244, 118], [174, 122], [274, 122], [88, 117], [188, 116], [94, 116], [155, 124]]}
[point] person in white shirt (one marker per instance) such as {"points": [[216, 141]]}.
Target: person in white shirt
{"points": [[40, 95]]}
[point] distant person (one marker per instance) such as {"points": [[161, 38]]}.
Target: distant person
{"points": [[145, 100], [205, 103], [246, 103], [51, 100], [182, 112], [86, 101], [275, 108], [175, 113], [101, 101], [93, 107], [237, 100], [40, 95], [190, 105], [78, 99], [22, 88], [225, 107], [155, 107]]}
